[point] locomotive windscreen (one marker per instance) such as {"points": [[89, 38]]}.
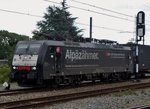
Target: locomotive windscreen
{"points": [[28, 49]]}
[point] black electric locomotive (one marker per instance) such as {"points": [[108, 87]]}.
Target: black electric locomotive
{"points": [[63, 62]]}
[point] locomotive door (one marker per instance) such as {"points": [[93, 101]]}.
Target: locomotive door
{"points": [[58, 59], [52, 60], [49, 63], [55, 55]]}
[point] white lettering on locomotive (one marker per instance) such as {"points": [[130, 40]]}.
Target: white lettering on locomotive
{"points": [[79, 55], [117, 55]]}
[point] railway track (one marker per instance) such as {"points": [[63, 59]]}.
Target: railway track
{"points": [[36, 102], [19, 91], [141, 107], [11, 92], [34, 90]]}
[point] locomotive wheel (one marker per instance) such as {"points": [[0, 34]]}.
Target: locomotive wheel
{"points": [[75, 80], [56, 82], [93, 80], [55, 85], [78, 81], [104, 78]]}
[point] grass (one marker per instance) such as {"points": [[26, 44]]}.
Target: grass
{"points": [[124, 93], [4, 73]]}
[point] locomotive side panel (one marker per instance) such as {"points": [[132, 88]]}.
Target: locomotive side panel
{"points": [[116, 61], [94, 60], [80, 60]]}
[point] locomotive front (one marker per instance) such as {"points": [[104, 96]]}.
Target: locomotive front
{"points": [[24, 63]]}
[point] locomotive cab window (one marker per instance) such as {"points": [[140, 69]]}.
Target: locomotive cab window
{"points": [[28, 49], [21, 49], [34, 48]]}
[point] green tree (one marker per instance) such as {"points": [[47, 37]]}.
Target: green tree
{"points": [[8, 42], [58, 24]]}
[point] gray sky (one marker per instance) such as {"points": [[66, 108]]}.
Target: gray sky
{"points": [[106, 24]]}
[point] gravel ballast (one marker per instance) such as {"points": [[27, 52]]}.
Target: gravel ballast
{"points": [[120, 100]]}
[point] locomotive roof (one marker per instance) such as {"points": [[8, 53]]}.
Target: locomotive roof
{"points": [[78, 44]]}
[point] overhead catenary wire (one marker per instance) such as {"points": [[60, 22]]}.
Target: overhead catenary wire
{"points": [[98, 7], [109, 15], [107, 28], [28, 14], [21, 13]]}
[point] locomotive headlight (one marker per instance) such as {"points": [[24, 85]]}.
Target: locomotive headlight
{"points": [[14, 67], [33, 68]]}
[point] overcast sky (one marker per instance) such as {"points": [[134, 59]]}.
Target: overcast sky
{"points": [[107, 24]]}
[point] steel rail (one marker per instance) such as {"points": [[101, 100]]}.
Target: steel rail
{"points": [[17, 91], [36, 102], [141, 107]]}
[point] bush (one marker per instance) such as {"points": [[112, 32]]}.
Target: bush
{"points": [[4, 73]]}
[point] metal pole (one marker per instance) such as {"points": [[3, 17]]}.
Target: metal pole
{"points": [[143, 40], [140, 32], [64, 4], [90, 28], [136, 57], [137, 62]]}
